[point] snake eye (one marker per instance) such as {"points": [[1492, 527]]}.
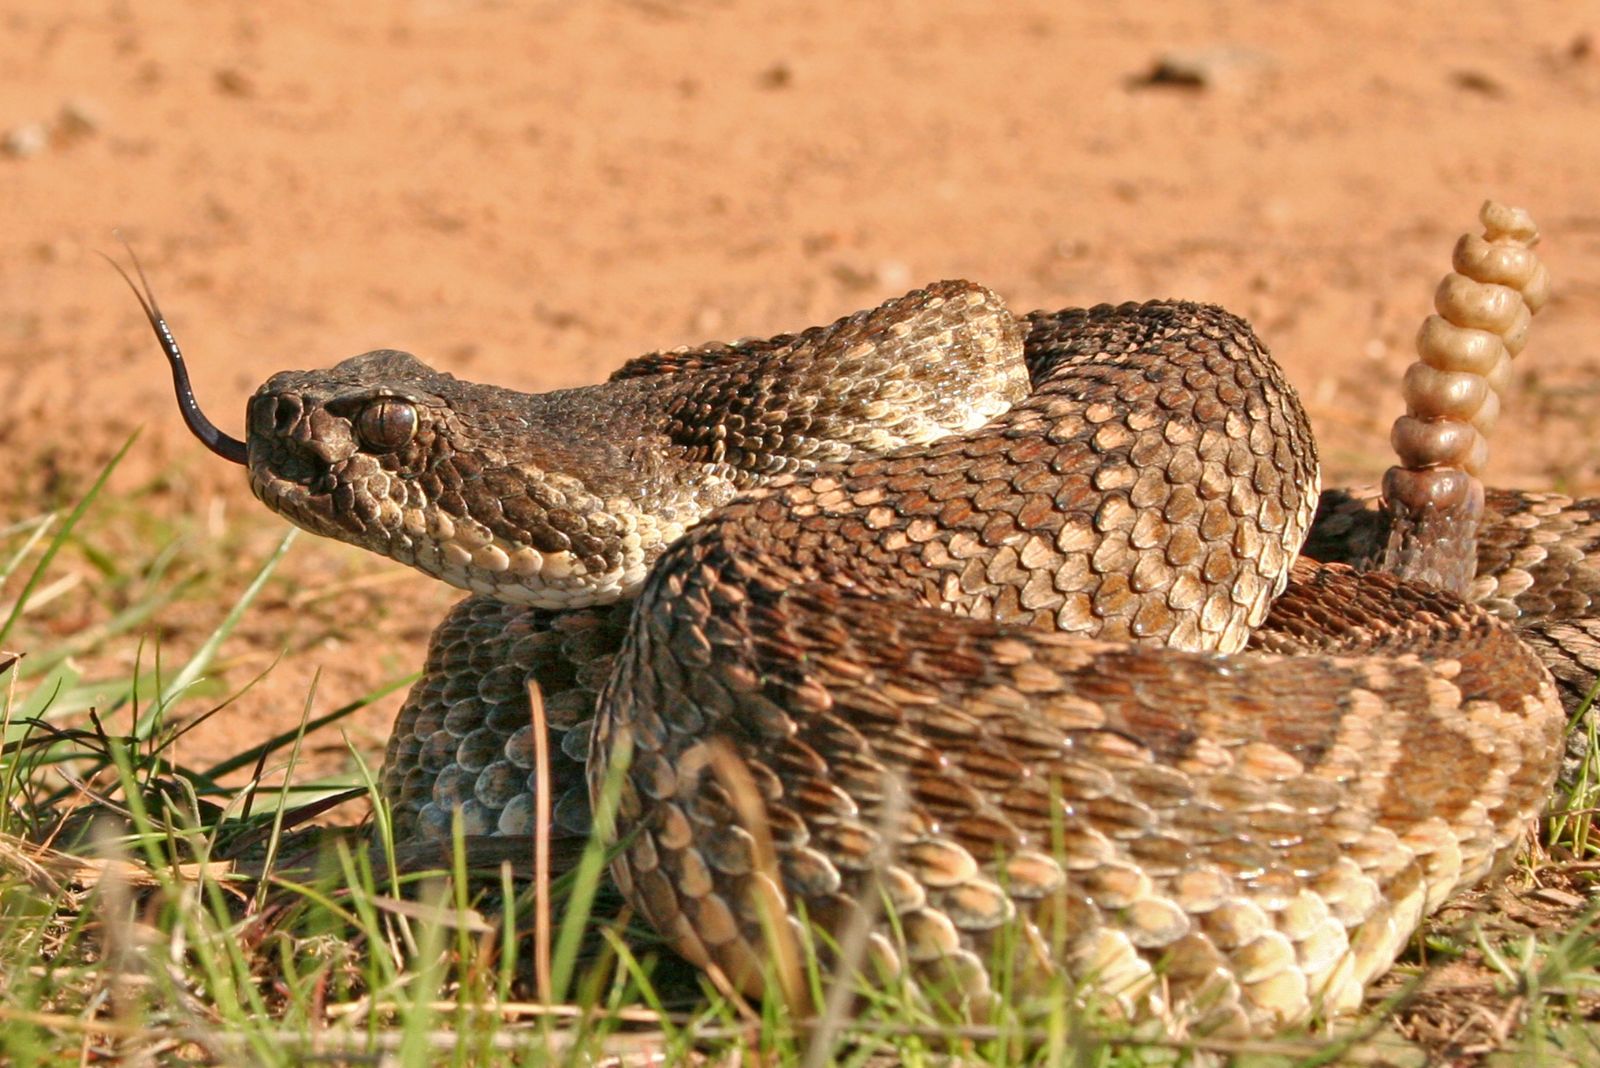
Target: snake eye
{"points": [[387, 424]]}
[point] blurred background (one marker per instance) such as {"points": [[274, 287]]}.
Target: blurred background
{"points": [[530, 193]]}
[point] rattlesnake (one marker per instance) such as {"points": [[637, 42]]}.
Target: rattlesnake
{"points": [[1033, 666]]}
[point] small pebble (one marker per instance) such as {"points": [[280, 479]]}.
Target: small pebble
{"points": [[29, 139], [1216, 67], [79, 118]]}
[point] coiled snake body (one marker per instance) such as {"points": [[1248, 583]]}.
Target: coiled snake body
{"points": [[1038, 678]]}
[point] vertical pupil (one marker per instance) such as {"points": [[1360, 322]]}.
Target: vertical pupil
{"points": [[388, 424]]}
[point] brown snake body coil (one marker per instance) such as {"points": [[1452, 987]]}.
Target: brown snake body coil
{"points": [[983, 666]]}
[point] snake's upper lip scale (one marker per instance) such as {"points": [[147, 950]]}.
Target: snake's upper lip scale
{"points": [[229, 448]]}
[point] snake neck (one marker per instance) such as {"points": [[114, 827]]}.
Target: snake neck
{"points": [[1155, 487], [566, 499]]}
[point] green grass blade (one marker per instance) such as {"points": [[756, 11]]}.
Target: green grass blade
{"points": [[61, 536], [564, 958], [278, 741], [191, 671]]}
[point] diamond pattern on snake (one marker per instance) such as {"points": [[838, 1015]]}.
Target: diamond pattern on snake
{"points": [[1032, 636]]}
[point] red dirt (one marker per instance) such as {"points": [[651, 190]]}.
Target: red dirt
{"points": [[532, 193]]}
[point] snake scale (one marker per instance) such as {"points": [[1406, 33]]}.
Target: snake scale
{"points": [[996, 627]]}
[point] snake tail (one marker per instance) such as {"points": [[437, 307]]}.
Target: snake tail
{"points": [[1434, 496]]}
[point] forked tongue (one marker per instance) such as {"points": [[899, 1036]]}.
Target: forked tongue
{"points": [[229, 448]]}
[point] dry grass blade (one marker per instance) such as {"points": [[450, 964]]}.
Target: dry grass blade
{"points": [[44, 869], [124, 949], [451, 917], [735, 778], [515, 1010], [853, 942], [541, 846], [88, 873], [54, 871]]}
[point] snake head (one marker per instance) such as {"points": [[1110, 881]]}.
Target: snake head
{"points": [[330, 449], [523, 497], [526, 498]]}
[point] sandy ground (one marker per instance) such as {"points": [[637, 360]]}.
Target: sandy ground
{"points": [[531, 193]]}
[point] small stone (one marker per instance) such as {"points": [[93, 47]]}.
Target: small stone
{"points": [[778, 76], [1217, 67], [79, 118], [234, 82], [1477, 81], [25, 141]]}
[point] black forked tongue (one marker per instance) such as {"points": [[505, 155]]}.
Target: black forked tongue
{"points": [[228, 448]]}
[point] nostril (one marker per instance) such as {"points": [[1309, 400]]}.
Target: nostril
{"points": [[288, 412], [274, 414]]}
